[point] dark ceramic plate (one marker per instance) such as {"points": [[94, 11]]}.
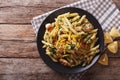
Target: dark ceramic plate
{"points": [[57, 66]]}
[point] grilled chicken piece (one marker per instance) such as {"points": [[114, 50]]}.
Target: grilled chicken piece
{"points": [[64, 62]]}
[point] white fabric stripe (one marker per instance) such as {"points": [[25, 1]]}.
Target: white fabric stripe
{"points": [[104, 9], [110, 19], [106, 13], [101, 7], [119, 21], [108, 16], [98, 7], [116, 22], [96, 3]]}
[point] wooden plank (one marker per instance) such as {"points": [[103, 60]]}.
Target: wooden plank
{"points": [[20, 14], [35, 69], [11, 32], [23, 11], [18, 49], [20, 41], [98, 72], [17, 41], [23, 66], [35, 3], [39, 76]]}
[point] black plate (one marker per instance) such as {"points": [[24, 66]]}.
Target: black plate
{"points": [[57, 66]]}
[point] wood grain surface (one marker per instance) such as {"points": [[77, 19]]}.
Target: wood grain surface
{"points": [[19, 58]]}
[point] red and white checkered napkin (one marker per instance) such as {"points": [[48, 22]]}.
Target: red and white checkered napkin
{"points": [[105, 12]]}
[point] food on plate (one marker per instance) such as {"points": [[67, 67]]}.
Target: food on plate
{"points": [[114, 32], [107, 38], [71, 40], [113, 47], [103, 59]]}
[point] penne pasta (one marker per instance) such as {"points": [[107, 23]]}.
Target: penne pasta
{"points": [[75, 18], [93, 43], [71, 40], [73, 14], [70, 25], [46, 43], [81, 19], [94, 48], [93, 31]]}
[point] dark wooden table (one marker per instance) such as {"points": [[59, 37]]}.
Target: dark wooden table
{"points": [[19, 58]]}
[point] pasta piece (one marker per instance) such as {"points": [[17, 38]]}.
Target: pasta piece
{"points": [[44, 46], [63, 15], [70, 25], [73, 14], [82, 18], [54, 32], [48, 44], [74, 24], [81, 33], [93, 36], [53, 59], [64, 36], [93, 53], [50, 40], [75, 18], [95, 48], [64, 27], [93, 43], [46, 35], [89, 41], [90, 59], [65, 62], [69, 37], [87, 38], [93, 31]]}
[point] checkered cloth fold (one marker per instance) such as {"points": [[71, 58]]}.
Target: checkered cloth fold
{"points": [[105, 12]]}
